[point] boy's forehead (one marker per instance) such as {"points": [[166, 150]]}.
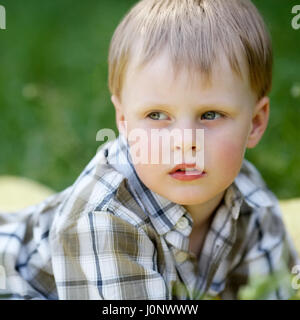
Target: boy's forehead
{"points": [[162, 73], [160, 67]]}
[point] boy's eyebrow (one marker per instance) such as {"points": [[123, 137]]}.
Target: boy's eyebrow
{"points": [[197, 107]]}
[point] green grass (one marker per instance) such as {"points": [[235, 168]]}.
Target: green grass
{"points": [[54, 95]]}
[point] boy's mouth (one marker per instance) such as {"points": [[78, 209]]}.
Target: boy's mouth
{"points": [[186, 172]]}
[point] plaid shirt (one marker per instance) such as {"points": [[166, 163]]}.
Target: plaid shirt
{"points": [[109, 237]]}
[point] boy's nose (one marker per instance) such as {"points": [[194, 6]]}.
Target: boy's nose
{"points": [[189, 140], [189, 148], [185, 147]]}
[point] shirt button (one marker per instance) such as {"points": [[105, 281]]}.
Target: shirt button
{"points": [[182, 223], [181, 256]]}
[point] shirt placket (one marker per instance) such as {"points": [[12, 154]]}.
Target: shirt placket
{"points": [[185, 262], [218, 244]]}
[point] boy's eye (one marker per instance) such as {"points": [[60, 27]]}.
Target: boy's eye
{"points": [[211, 115], [157, 116]]}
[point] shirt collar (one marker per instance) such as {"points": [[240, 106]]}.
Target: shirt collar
{"points": [[252, 187], [164, 214], [247, 187]]}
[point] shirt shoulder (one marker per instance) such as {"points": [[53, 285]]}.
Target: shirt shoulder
{"points": [[259, 214], [261, 228], [253, 189], [258, 200], [99, 188]]}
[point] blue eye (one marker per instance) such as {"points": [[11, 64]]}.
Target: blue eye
{"points": [[157, 116], [211, 115]]}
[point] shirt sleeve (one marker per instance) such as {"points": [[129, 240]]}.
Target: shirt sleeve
{"points": [[267, 262], [25, 258], [104, 257]]}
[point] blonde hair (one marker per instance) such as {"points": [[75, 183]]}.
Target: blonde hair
{"points": [[195, 32]]}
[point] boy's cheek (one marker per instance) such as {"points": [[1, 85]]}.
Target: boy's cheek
{"points": [[226, 154]]}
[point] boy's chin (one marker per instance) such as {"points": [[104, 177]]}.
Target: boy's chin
{"points": [[187, 200]]}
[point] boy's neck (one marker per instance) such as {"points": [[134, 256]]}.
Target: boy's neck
{"points": [[202, 217], [201, 213]]}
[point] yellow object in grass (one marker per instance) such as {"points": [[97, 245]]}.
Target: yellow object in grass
{"points": [[17, 193], [291, 216]]}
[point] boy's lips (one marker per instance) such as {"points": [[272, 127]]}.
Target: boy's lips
{"points": [[187, 172]]}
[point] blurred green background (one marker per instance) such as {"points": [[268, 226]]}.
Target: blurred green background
{"points": [[54, 95]]}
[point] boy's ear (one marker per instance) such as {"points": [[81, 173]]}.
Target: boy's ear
{"points": [[120, 119], [260, 118]]}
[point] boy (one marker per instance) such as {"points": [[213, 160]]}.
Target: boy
{"points": [[132, 230]]}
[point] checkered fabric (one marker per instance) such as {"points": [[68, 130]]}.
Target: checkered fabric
{"points": [[108, 236]]}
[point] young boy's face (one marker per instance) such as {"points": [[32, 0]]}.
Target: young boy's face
{"points": [[227, 111]]}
